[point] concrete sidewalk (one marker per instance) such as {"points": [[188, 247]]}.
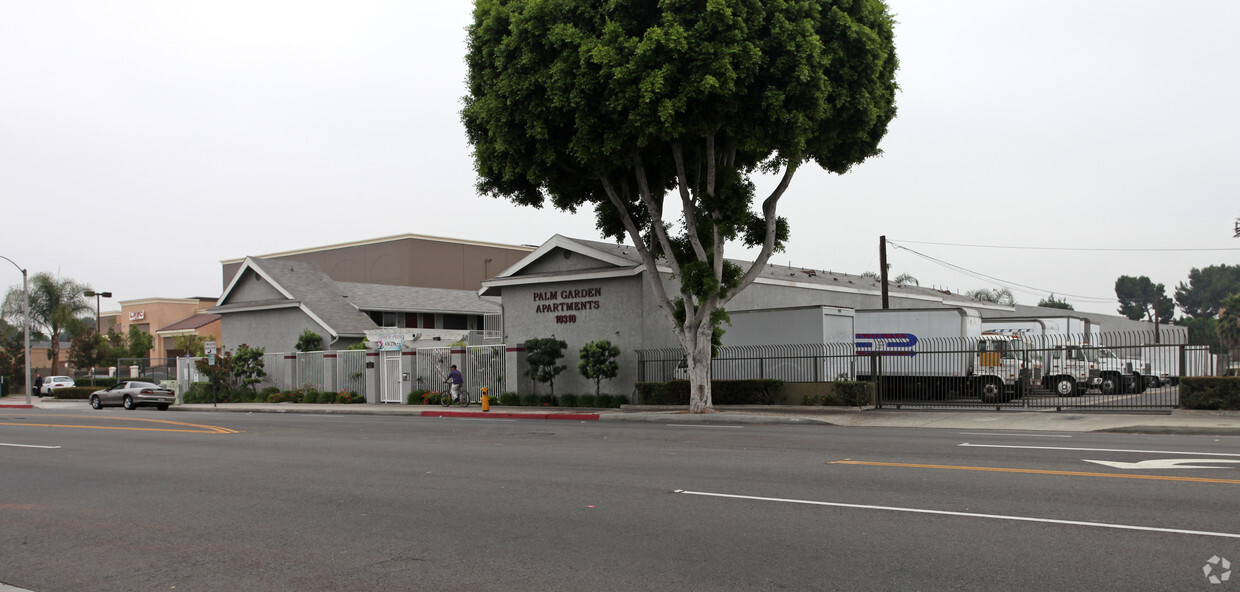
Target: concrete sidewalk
{"points": [[1226, 423]]}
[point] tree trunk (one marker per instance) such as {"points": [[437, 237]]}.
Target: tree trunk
{"points": [[699, 371]]}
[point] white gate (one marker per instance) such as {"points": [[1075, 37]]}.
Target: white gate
{"points": [[389, 377]]}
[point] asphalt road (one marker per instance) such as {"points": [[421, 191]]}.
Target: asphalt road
{"points": [[116, 500]]}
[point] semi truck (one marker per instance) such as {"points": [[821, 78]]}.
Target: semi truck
{"points": [[940, 351]]}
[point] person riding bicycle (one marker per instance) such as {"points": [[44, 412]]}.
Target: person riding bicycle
{"points": [[454, 377]]}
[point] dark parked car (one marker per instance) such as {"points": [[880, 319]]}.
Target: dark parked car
{"points": [[132, 394]]}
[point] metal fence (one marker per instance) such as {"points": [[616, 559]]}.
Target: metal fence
{"points": [[1110, 370]]}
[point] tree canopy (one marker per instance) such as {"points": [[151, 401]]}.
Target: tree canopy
{"points": [[1137, 298], [1206, 288], [618, 106], [1051, 302], [1229, 322], [996, 295], [56, 305]]}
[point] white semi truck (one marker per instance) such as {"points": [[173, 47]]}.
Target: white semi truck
{"points": [[940, 351]]}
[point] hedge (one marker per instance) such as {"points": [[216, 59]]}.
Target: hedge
{"points": [[722, 392], [1210, 392]]}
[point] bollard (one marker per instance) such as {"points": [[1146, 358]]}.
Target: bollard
{"points": [[486, 400]]}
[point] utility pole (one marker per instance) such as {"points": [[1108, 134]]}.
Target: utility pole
{"points": [[882, 267]]}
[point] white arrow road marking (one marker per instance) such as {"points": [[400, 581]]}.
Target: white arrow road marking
{"points": [[1097, 449], [1164, 463]]}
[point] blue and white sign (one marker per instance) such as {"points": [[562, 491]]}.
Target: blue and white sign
{"points": [[886, 344]]}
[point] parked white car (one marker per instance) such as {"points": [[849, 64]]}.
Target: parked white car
{"points": [[54, 382]]}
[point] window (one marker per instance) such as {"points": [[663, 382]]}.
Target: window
{"points": [[455, 321]]}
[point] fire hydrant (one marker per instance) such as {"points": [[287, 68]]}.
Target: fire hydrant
{"points": [[486, 400]]}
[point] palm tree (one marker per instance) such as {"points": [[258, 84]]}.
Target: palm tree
{"points": [[997, 296], [55, 305]]}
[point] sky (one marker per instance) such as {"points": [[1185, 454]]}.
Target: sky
{"points": [[1046, 146]]}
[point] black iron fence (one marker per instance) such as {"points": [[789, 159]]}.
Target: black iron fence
{"points": [[1109, 370]]}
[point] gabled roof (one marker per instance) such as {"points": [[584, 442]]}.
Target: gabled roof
{"points": [[388, 239], [627, 261], [191, 323], [381, 297], [304, 285]]}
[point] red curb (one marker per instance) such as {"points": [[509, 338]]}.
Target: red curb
{"points": [[16, 406], [575, 416]]}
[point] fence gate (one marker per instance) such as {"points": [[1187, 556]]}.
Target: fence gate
{"points": [[484, 367], [351, 371], [389, 377], [433, 365]]}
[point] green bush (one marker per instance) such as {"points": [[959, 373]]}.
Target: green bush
{"points": [[347, 397], [854, 393], [587, 401], [569, 400], [415, 397], [723, 392], [509, 400], [199, 392], [267, 392], [1210, 393], [611, 401], [285, 397], [74, 392]]}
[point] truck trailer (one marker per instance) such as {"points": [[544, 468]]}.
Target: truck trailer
{"points": [[940, 351]]}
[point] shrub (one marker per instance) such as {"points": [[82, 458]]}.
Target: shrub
{"points": [[723, 392], [854, 393], [587, 401], [509, 400], [568, 400], [415, 397], [530, 399], [267, 392], [74, 392], [199, 392], [1211, 392], [347, 397], [285, 397], [428, 398]]}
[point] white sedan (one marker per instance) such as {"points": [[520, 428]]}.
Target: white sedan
{"points": [[54, 382]]}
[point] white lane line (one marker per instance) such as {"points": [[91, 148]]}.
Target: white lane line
{"points": [[26, 445], [1228, 535], [695, 425], [1020, 435], [1098, 449]]}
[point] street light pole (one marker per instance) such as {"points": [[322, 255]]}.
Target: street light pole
{"points": [[98, 321], [25, 322]]}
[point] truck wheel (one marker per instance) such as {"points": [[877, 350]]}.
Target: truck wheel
{"points": [[1155, 382], [1066, 387], [1108, 386], [990, 390]]}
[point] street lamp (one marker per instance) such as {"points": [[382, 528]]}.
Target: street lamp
{"points": [[25, 321], [88, 294]]}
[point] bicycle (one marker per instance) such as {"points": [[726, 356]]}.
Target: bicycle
{"points": [[464, 400]]}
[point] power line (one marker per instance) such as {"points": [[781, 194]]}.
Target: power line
{"points": [[1139, 250], [1005, 283]]}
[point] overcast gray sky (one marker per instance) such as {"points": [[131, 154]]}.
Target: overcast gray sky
{"points": [[142, 142]]}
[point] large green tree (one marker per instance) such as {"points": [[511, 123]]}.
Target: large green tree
{"points": [[649, 111], [1138, 296], [1206, 288], [56, 305]]}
